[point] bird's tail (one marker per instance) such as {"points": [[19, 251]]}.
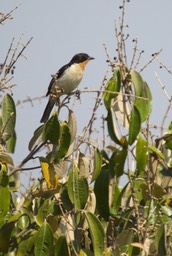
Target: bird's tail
{"points": [[47, 111]]}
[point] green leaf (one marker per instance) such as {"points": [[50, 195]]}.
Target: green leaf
{"points": [[72, 125], [97, 233], [24, 220], [160, 240], [5, 235], [61, 247], [40, 211], [111, 128], [36, 135], [144, 105], [134, 125], [143, 101], [138, 82], [4, 198], [77, 189], [125, 237], [97, 164], [44, 241], [8, 116], [26, 245], [113, 85], [51, 131], [4, 179], [101, 189], [64, 142], [11, 143], [168, 141], [141, 154], [121, 195], [115, 202], [117, 162], [156, 151]]}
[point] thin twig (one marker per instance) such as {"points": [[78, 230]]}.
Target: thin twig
{"points": [[14, 59], [162, 86], [163, 65], [27, 158], [150, 61], [8, 15], [134, 53]]}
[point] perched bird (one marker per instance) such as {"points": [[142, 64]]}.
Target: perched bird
{"points": [[65, 81]]}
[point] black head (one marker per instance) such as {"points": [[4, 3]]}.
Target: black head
{"points": [[81, 57]]}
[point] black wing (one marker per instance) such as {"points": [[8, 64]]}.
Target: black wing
{"points": [[58, 75]]}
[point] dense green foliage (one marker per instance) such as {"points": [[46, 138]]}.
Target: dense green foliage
{"points": [[79, 206]]}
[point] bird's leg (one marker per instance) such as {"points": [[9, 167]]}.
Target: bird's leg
{"points": [[78, 93]]}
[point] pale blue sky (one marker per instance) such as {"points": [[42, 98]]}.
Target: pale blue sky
{"points": [[62, 28]]}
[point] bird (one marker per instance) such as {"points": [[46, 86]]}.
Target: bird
{"points": [[65, 81]]}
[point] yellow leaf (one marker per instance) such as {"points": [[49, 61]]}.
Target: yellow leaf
{"points": [[3, 168], [49, 173]]}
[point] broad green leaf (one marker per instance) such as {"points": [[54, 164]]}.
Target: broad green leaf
{"points": [[24, 219], [144, 104], [8, 116], [101, 189], [36, 136], [72, 125], [49, 173], [77, 189], [11, 143], [25, 247], [143, 101], [111, 128], [65, 198], [122, 195], [4, 198], [157, 191], [5, 235], [3, 170], [138, 82], [144, 191], [61, 247], [125, 237], [113, 85], [160, 240], [51, 131], [4, 180], [115, 203], [141, 154], [4, 189], [134, 125], [156, 151], [97, 164], [168, 141], [97, 233], [40, 210], [64, 142], [117, 162], [44, 241]]}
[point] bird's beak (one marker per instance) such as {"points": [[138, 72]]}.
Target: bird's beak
{"points": [[91, 58]]}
